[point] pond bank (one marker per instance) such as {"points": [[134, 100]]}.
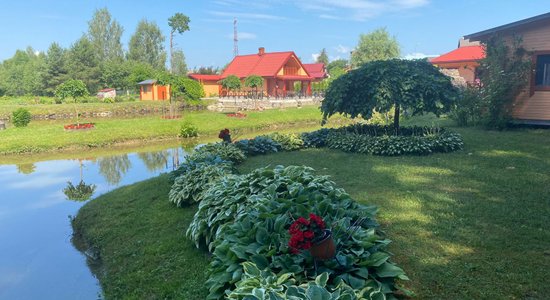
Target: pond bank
{"points": [[48, 136]]}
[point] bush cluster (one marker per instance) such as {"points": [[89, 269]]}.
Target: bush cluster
{"points": [[288, 141], [243, 221], [380, 140], [187, 130], [21, 117], [245, 218], [258, 146]]}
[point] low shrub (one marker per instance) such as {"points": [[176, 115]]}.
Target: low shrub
{"points": [[288, 141], [189, 187], [21, 117], [225, 151], [315, 139], [467, 111], [188, 130], [258, 145], [264, 284], [246, 218], [195, 159]]}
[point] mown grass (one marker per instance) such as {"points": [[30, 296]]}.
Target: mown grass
{"points": [[40, 136], [141, 238], [466, 225]]}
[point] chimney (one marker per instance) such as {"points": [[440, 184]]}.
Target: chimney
{"points": [[261, 51]]}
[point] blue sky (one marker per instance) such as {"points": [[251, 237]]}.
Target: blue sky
{"points": [[426, 27]]}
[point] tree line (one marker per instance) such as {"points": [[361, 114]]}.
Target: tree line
{"points": [[98, 58]]}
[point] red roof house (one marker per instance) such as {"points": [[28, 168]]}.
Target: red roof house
{"points": [[463, 61], [317, 71], [280, 71]]}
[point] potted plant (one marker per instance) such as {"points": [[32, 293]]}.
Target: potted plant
{"points": [[312, 235], [225, 135]]}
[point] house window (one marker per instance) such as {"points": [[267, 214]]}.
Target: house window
{"points": [[542, 72], [145, 89]]}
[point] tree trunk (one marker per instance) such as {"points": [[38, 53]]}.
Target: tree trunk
{"points": [[396, 119]]}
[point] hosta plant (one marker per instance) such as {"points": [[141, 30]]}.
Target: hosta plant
{"points": [[225, 151], [188, 188], [288, 141], [246, 219], [258, 146]]}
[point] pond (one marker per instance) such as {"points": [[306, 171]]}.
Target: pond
{"points": [[37, 259]]}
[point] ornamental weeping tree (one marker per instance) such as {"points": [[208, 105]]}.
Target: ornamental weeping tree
{"points": [[412, 85], [72, 88]]}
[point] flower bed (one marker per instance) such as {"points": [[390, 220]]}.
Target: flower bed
{"points": [[171, 117], [81, 126], [238, 115]]}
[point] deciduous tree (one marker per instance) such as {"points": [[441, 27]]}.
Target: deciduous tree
{"points": [[75, 89], [178, 23], [377, 45], [414, 85], [104, 32], [147, 45], [82, 64]]}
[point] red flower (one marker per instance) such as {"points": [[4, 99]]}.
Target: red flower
{"points": [[303, 232]]}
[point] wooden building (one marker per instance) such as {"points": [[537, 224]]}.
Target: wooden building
{"points": [[533, 105], [280, 70], [209, 83], [150, 90], [461, 62]]}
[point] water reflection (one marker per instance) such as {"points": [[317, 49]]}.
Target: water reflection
{"points": [[26, 168], [113, 168], [37, 259], [154, 161]]}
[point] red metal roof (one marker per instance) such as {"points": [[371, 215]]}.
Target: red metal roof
{"points": [[462, 54], [265, 65], [316, 71], [213, 77]]}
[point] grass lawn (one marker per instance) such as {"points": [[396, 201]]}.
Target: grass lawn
{"points": [[40, 136], [466, 225]]}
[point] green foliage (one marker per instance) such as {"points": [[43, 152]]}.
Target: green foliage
{"points": [[104, 32], [189, 187], [376, 45], [315, 139], [380, 140], [225, 151], [254, 81], [323, 57], [192, 89], [413, 85], [80, 192], [288, 141], [468, 109], [72, 88], [338, 63], [178, 23], [245, 218], [83, 64], [196, 159], [264, 284], [188, 130], [231, 83], [258, 146], [147, 45], [21, 117], [503, 73], [23, 73]]}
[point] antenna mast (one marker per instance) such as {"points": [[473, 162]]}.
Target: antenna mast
{"points": [[235, 38]]}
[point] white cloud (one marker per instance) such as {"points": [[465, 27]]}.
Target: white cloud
{"points": [[329, 17], [343, 49], [314, 56], [360, 10], [418, 55]]}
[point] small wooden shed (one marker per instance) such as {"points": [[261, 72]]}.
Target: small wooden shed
{"points": [[150, 90]]}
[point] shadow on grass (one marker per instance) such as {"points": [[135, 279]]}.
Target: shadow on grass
{"points": [[466, 225]]}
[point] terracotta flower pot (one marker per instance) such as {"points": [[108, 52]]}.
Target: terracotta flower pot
{"points": [[324, 248]]}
